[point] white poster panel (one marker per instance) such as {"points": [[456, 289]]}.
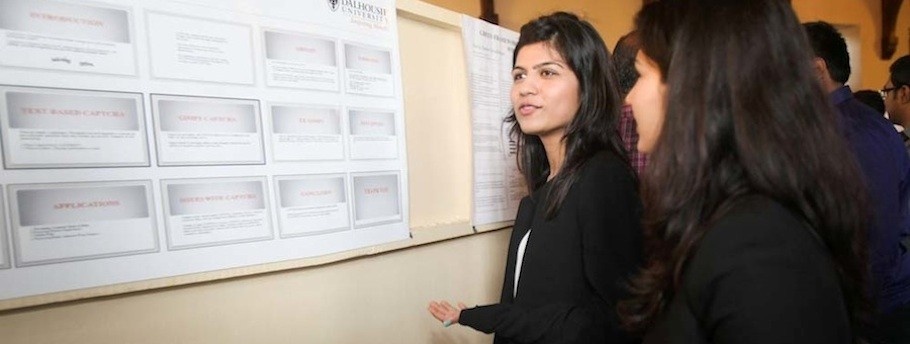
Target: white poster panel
{"points": [[54, 223], [372, 134], [66, 36], [4, 243], [207, 131], [232, 103], [306, 132], [368, 70], [310, 205], [200, 50], [215, 211], [498, 185], [300, 61], [45, 128], [377, 199]]}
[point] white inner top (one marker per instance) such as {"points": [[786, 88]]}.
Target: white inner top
{"points": [[521, 256]]}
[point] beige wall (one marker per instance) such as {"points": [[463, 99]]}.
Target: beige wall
{"points": [[613, 18], [379, 299]]}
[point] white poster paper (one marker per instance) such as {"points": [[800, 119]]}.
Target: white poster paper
{"points": [[372, 134], [310, 205], [498, 186], [308, 132], [44, 128], [65, 36], [215, 212], [300, 61], [64, 222], [368, 70], [377, 199], [4, 243], [214, 106], [201, 50], [207, 131]]}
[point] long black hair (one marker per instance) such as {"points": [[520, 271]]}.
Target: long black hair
{"points": [[594, 127], [744, 115]]}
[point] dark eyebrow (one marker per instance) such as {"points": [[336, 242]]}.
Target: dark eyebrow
{"points": [[548, 63], [541, 65]]}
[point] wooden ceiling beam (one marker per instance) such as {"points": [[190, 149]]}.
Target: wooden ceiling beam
{"points": [[488, 11], [890, 10]]}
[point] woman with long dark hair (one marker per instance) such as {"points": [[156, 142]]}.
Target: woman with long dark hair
{"points": [[577, 237], [754, 206]]}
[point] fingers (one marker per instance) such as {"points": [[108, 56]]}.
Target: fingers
{"points": [[439, 311], [445, 312]]}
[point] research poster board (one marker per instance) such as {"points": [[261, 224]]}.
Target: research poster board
{"points": [[498, 186], [146, 139]]}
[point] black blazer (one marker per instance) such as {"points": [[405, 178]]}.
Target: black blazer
{"points": [[575, 265], [759, 275]]}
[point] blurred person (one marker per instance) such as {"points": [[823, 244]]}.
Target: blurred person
{"points": [[754, 206]]}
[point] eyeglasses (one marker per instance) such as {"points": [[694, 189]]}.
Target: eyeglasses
{"points": [[884, 92]]}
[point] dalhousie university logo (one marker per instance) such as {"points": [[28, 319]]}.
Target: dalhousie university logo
{"points": [[334, 5]]}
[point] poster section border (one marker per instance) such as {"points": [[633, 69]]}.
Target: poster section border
{"points": [[4, 129], [157, 131], [150, 51], [349, 208], [13, 210], [133, 35], [166, 213], [401, 210]]}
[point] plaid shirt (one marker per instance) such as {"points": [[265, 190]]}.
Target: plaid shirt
{"points": [[629, 137]]}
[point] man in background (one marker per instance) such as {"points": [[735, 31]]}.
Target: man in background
{"points": [[886, 167], [896, 96]]}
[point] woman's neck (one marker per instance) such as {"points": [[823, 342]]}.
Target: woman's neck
{"points": [[555, 148]]}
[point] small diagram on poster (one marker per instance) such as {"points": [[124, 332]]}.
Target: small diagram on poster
{"points": [[306, 132], [214, 212], [200, 50], [53, 128], [372, 134], [55, 35], [310, 205], [54, 223], [368, 70], [207, 131], [377, 199], [4, 245], [300, 61]]}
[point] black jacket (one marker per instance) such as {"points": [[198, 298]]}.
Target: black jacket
{"points": [[759, 275], [575, 266]]}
